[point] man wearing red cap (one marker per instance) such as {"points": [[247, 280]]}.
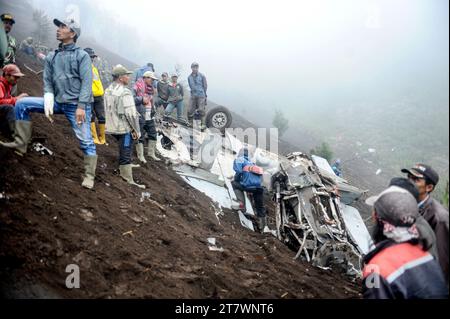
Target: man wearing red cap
{"points": [[67, 91], [11, 74]]}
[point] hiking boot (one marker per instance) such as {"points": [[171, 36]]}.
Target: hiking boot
{"points": [[140, 153], [22, 136], [90, 165], [152, 151], [262, 223], [126, 172]]}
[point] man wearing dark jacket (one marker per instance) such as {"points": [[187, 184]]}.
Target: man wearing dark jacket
{"points": [[176, 98], [163, 91], [426, 179], [248, 179], [68, 91], [400, 267]]}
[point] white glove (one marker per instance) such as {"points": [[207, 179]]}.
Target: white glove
{"points": [[49, 103]]}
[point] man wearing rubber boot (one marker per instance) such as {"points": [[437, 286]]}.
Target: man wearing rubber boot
{"points": [[248, 179], [199, 87], [68, 91], [11, 74], [143, 92], [98, 108], [122, 120]]}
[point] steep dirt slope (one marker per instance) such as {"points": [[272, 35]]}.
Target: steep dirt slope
{"points": [[129, 248]]}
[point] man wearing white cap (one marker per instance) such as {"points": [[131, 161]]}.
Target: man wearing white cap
{"points": [[68, 91], [11, 74], [143, 92]]}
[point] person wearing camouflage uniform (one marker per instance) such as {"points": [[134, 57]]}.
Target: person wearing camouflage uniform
{"points": [[10, 56]]}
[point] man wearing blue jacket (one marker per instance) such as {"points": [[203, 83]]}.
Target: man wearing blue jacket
{"points": [[199, 95], [68, 91], [248, 179]]}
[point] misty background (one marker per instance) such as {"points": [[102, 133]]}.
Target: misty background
{"points": [[356, 74]]}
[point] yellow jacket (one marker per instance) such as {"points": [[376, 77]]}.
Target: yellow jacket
{"points": [[97, 86]]}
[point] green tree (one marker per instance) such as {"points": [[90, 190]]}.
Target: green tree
{"points": [[280, 122], [324, 150]]}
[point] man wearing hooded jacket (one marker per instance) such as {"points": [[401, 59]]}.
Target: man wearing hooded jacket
{"points": [[248, 178], [68, 91], [400, 266]]}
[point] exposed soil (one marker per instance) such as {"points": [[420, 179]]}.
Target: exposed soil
{"points": [[127, 248]]}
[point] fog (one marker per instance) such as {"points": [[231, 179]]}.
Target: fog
{"points": [[356, 74], [286, 54]]}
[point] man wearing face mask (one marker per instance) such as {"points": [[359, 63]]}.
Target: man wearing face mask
{"points": [[68, 91], [11, 74], [8, 22], [400, 266], [426, 179]]}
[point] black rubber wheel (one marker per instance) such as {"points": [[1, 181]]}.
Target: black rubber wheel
{"points": [[219, 118]]}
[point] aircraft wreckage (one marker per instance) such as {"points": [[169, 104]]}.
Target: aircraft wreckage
{"points": [[313, 213]]}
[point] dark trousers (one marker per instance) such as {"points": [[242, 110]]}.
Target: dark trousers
{"points": [[148, 127], [197, 107], [125, 148], [98, 110], [7, 118], [258, 197], [160, 102]]}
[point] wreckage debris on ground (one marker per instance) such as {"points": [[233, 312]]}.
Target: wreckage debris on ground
{"points": [[125, 248], [312, 215]]}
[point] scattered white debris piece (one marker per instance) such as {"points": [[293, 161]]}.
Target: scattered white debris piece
{"points": [[245, 222], [324, 268], [372, 150], [86, 215], [41, 149], [378, 172], [359, 143], [212, 245], [267, 230], [128, 233], [2, 196], [145, 195], [218, 212]]}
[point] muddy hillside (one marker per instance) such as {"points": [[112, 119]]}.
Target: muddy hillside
{"points": [[126, 243]]}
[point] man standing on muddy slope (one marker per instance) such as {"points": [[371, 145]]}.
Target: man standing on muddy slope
{"points": [[68, 91], [199, 87], [426, 179]]}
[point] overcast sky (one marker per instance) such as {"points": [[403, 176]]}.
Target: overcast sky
{"points": [[285, 53]]}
